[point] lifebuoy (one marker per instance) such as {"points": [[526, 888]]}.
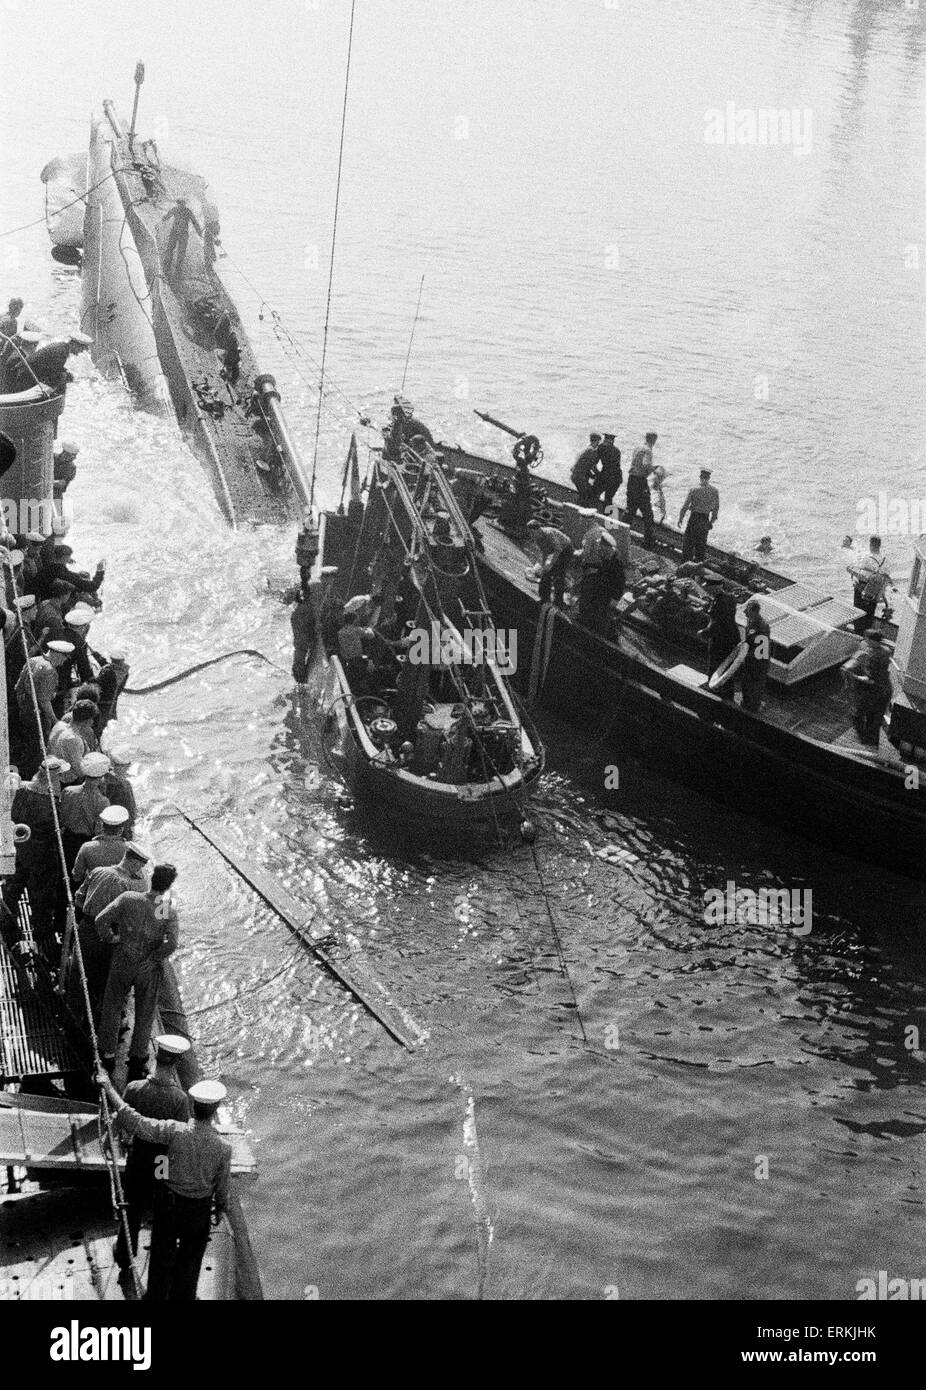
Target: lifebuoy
{"points": [[528, 450], [729, 666]]}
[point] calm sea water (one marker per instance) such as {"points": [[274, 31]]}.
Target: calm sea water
{"points": [[589, 260]]}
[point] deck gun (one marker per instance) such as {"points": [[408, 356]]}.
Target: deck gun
{"points": [[527, 454]]}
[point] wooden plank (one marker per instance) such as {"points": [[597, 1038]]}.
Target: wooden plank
{"points": [[396, 1020], [69, 1139]]}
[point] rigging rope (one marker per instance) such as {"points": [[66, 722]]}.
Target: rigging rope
{"points": [[411, 338], [81, 199], [72, 941], [334, 237]]}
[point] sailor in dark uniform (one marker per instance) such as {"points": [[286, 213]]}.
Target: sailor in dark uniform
{"points": [[610, 475], [405, 427], [198, 1173], [870, 669], [584, 472], [754, 671], [302, 621], [47, 364], [158, 1097], [723, 637], [181, 218]]}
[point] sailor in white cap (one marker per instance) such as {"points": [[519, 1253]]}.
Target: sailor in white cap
{"points": [[361, 604], [31, 806], [198, 1171], [100, 888], [79, 669], [81, 805], [118, 788], [39, 673], [23, 612], [157, 1097], [32, 543], [107, 846]]}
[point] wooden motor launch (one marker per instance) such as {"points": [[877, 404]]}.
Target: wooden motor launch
{"points": [[414, 709], [639, 682]]}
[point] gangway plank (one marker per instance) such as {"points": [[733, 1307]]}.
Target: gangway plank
{"points": [[64, 1135]]}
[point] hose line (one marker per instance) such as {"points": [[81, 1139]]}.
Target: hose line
{"points": [[201, 666]]}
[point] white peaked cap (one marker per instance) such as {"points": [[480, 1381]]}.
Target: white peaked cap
{"points": [[94, 765], [208, 1092], [80, 616], [358, 603], [62, 648], [114, 815], [172, 1043]]}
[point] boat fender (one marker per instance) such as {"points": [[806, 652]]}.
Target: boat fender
{"points": [[729, 666], [528, 832], [21, 834], [67, 255]]}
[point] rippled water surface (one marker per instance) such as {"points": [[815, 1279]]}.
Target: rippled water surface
{"points": [[588, 260]]}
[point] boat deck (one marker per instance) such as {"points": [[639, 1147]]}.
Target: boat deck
{"points": [[819, 709], [57, 1245]]}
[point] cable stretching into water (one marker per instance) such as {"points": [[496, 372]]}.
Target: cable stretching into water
{"points": [[411, 337], [201, 666], [81, 199], [334, 237]]}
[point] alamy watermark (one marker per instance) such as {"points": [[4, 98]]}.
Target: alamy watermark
{"points": [[882, 1287], [765, 907], [764, 126], [21, 515], [894, 516], [439, 646]]}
